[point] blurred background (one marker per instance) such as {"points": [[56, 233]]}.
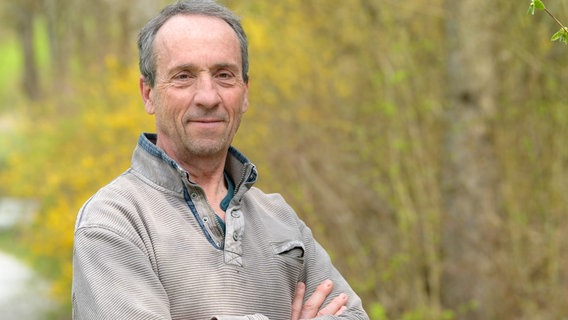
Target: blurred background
{"points": [[422, 141]]}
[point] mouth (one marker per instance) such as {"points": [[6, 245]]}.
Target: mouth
{"points": [[206, 121], [206, 124]]}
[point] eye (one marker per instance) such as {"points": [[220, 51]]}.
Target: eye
{"points": [[183, 79], [226, 78], [183, 76], [225, 75]]}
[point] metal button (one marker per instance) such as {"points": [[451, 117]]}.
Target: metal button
{"points": [[251, 177], [235, 214]]}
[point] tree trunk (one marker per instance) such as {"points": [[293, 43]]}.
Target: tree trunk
{"points": [[25, 27], [470, 240], [58, 15]]}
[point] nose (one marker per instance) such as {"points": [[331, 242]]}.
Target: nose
{"points": [[207, 92]]}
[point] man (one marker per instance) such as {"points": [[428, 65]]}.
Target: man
{"points": [[183, 234]]}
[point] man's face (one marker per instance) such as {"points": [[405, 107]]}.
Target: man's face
{"points": [[199, 95]]}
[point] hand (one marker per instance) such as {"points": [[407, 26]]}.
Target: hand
{"points": [[313, 306]]}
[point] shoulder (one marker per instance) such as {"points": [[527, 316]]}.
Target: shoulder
{"points": [[270, 206], [117, 205], [266, 200]]}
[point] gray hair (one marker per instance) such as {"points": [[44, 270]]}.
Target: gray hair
{"points": [[147, 57]]}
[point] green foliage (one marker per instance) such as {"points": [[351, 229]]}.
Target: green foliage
{"points": [[536, 4], [347, 121], [377, 312], [10, 59], [562, 34], [67, 158]]}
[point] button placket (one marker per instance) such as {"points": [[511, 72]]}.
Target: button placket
{"points": [[206, 216], [233, 241]]}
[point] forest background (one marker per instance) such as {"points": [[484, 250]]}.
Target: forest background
{"points": [[423, 141]]}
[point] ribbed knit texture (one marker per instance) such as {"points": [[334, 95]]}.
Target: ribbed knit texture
{"points": [[141, 252]]}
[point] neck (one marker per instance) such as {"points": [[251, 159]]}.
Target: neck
{"points": [[207, 172], [203, 168], [213, 184]]}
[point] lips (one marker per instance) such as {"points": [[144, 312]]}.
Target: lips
{"points": [[206, 120], [206, 124]]}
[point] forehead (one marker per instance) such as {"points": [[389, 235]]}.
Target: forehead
{"points": [[187, 35]]}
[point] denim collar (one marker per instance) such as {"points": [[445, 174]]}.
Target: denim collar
{"points": [[155, 165]]}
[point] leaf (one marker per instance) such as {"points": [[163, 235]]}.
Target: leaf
{"points": [[536, 4], [561, 35]]}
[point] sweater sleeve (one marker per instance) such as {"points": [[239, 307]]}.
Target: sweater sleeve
{"points": [[248, 317], [114, 279], [319, 267]]}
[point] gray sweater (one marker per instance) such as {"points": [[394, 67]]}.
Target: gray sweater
{"points": [[148, 246]]}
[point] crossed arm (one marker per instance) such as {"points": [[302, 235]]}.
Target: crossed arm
{"points": [[313, 306]]}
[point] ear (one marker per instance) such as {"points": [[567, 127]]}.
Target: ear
{"points": [[146, 93], [244, 107]]}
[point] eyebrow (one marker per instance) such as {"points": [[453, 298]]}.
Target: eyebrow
{"points": [[185, 66], [191, 66]]}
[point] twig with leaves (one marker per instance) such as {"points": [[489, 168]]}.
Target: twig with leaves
{"points": [[562, 34]]}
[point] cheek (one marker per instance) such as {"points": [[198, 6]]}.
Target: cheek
{"points": [[170, 106]]}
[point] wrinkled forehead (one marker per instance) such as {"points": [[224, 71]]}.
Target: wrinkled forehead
{"points": [[183, 33], [190, 27]]}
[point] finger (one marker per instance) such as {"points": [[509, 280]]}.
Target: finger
{"points": [[298, 301], [335, 306], [340, 311], [314, 302]]}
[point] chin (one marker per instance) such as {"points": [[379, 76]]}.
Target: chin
{"points": [[207, 148]]}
